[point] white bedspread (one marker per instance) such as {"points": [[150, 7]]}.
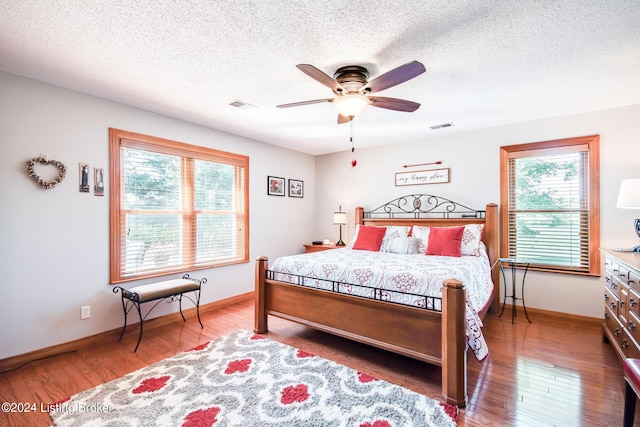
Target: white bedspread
{"points": [[417, 274]]}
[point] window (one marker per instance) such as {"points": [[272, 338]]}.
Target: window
{"points": [[550, 199], [174, 207]]}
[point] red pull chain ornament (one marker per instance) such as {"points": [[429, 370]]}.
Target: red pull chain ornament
{"points": [[354, 162]]}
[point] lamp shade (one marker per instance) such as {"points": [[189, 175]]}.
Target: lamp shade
{"points": [[351, 105], [339, 218], [629, 196]]}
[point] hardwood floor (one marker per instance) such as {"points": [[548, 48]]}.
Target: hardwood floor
{"points": [[554, 372]]}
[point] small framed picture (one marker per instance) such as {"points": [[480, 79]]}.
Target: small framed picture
{"points": [[275, 186], [84, 178], [98, 181], [296, 188]]}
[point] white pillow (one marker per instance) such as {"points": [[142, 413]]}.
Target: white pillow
{"points": [[394, 231], [402, 245], [354, 238], [421, 233], [471, 239]]}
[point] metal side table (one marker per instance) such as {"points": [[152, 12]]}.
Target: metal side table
{"points": [[513, 263]]}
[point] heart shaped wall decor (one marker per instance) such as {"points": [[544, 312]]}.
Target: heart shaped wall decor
{"points": [[62, 171]]}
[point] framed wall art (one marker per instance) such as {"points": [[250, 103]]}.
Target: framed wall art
{"points": [[296, 188], [275, 186], [84, 178], [98, 181], [433, 176]]}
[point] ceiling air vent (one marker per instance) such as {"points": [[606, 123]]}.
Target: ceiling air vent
{"points": [[444, 125], [242, 104]]}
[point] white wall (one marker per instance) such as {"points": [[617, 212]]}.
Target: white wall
{"points": [[54, 244], [475, 177]]}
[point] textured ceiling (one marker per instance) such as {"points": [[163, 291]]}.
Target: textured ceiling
{"points": [[488, 62]]}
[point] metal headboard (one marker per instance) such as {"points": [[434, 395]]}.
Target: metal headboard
{"points": [[423, 206]]}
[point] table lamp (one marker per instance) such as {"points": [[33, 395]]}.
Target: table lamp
{"points": [[629, 198], [340, 218]]}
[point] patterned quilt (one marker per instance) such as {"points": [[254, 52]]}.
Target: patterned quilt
{"points": [[400, 278]]}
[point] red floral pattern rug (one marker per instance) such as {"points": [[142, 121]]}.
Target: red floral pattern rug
{"points": [[244, 379]]}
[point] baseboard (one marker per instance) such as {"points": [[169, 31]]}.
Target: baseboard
{"points": [[15, 362], [533, 310]]}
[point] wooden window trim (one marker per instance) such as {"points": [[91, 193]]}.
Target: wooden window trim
{"points": [[593, 145], [118, 138]]}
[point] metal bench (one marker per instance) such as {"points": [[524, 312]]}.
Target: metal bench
{"points": [[169, 290]]}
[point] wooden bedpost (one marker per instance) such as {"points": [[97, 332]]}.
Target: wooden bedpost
{"points": [[454, 343], [260, 322], [491, 229], [359, 215]]}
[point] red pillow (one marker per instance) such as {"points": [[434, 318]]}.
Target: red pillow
{"points": [[445, 241], [370, 238]]}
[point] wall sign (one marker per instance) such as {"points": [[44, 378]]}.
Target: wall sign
{"points": [[433, 176]]}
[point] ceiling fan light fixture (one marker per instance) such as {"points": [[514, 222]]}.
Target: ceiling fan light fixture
{"points": [[351, 105]]}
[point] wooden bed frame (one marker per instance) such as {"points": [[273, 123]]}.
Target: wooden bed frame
{"points": [[389, 326]]}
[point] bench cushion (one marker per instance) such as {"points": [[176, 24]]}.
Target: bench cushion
{"points": [[164, 289], [631, 370]]}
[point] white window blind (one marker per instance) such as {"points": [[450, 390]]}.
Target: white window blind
{"points": [[552, 220], [549, 209], [177, 208]]}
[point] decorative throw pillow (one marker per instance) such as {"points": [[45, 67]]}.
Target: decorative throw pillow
{"points": [[445, 241], [402, 245], [471, 239], [421, 233], [354, 238], [391, 232], [369, 238], [394, 231]]}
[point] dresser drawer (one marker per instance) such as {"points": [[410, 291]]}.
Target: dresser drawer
{"points": [[633, 303], [622, 274], [634, 280], [613, 266], [614, 328], [611, 281], [623, 304], [612, 323], [611, 301], [629, 346], [633, 326]]}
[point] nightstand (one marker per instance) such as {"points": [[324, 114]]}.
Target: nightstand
{"points": [[513, 264], [318, 248]]}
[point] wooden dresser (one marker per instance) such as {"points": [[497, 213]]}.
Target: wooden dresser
{"points": [[621, 325]]}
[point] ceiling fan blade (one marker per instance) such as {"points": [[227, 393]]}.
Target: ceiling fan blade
{"points": [[298, 104], [343, 119], [395, 77], [321, 76], [394, 104]]}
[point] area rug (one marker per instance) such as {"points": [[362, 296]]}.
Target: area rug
{"points": [[244, 379]]}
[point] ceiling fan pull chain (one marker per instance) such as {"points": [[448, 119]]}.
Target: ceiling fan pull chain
{"points": [[354, 162]]}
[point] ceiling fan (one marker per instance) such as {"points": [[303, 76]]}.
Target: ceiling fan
{"points": [[352, 88]]}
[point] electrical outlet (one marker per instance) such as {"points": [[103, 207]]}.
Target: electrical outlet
{"points": [[85, 312]]}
